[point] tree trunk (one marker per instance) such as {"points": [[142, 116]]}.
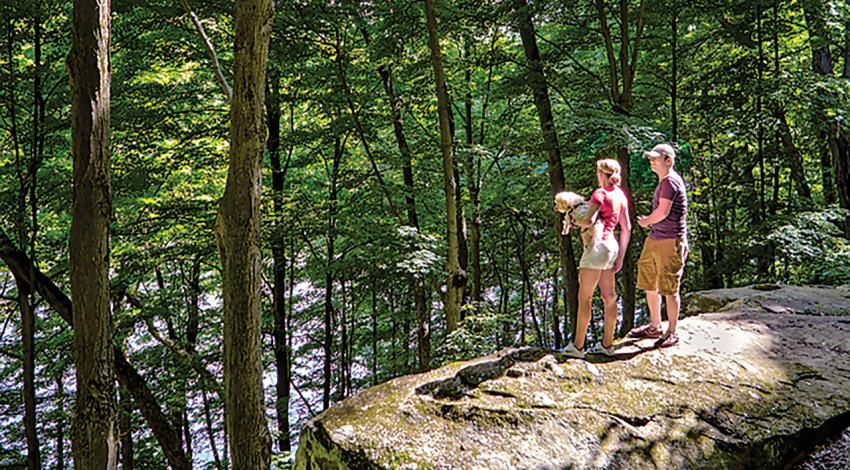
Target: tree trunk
{"points": [[28, 340], [329, 276], [342, 367], [374, 315], [94, 433], [842, 171], [210, 430], [26, 182], [423, 311], [281, 351], [795, 160], [473, 186], [60, 420], [455, 276], [540, 90], [822, 65], [846, 73], [674, 70], [238, 239], [125, 428], [556, 330]]}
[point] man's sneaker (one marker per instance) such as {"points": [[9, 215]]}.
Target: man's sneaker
{"points": [[599, 349], [645, 331], [667, 340], [572, 351]]}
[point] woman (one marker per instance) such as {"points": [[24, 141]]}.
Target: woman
{"points": [[602, 258]]}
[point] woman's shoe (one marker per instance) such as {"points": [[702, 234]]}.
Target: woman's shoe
{"points": [[572, 351], [599, 349]]}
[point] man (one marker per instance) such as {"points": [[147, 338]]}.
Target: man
{"points": [[662, 260]]}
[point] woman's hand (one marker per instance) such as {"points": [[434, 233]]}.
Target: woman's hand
{"points": [[618, 265]]}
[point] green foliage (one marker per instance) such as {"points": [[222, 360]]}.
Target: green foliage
{"points": [[814, 247], [481, 332]]}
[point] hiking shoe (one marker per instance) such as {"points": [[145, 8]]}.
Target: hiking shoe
{"points": [[667, 340], [572, 351], [645, 331], [599, 349]]}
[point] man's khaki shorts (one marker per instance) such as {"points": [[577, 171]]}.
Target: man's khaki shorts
{"points": [[661, 265]]}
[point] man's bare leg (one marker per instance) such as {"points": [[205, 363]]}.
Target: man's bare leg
{"points": [[673, 305], [653, 301]]}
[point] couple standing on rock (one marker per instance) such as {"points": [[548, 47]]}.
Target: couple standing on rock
{"points": [[661, 263]]}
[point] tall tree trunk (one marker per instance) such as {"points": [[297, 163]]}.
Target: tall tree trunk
{"points": [[281, 351], [795, 159], [841, 157], [210, 430], [674, 70], [95, 440], [342, 390], [462, 237], [23, 170], [455, 276], [28, 337], [417, 286], [846, 73], [822, 64], [556, 330], [238, 239], [540, 90], [472, 185], [842, 164], [760, 111], [125, 428], [374, 318], [421, 305], [60, 421], [329, 275]]}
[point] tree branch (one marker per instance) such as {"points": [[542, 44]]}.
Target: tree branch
{"points": [[210, 50]]}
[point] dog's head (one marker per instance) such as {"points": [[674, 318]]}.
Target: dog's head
{"points": [[565, 201]]}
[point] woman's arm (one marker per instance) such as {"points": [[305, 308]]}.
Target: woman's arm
{"points": [[625, 236], [590, 219]]}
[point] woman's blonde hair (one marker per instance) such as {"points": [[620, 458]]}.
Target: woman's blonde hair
{"points": [[611, 168]]}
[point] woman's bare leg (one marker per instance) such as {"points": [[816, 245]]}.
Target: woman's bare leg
{"points": [[609, 298], [587, 281]]}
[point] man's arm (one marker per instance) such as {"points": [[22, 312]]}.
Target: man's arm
{"points": [[660, 213]]}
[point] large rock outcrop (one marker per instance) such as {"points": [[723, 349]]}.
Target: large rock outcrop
{"points": [[753, 387]]}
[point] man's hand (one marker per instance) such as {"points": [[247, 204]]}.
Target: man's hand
{"points": [[642, 221]]}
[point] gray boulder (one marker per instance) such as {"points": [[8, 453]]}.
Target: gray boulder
{"points": [[747, 388]]}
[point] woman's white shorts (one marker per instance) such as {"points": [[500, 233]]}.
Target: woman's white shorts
{"points": [[600, 255]]}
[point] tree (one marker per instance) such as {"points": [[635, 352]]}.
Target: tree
{"points": [[553, 150], [238, 237], [94, 432], [455, 276]]}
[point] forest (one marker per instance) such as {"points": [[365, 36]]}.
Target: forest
{"points": [[258, 210]]}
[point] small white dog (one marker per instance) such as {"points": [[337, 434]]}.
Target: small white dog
{"points": [[577, 212]]}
